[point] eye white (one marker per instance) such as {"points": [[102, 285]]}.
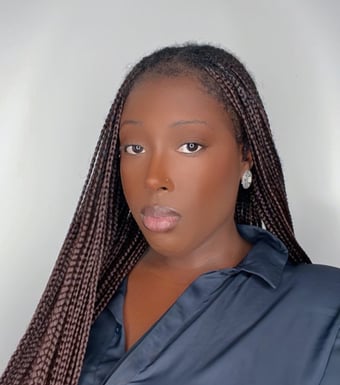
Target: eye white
{"points": [[134, 149], [190, 148]]}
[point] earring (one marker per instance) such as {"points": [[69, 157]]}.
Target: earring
{"points": [[129, 215], [246, 180]]}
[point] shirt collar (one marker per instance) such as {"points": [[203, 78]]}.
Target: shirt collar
{"points": [[268, 256], [115, 306]]}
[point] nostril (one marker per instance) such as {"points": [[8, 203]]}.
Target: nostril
{"points": [[159, 184], [155, 185]]}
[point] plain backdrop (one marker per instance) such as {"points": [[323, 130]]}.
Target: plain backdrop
{"points": [[61, 63]]}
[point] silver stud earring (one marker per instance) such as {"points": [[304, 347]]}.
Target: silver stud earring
{"points": [[246, 180]]}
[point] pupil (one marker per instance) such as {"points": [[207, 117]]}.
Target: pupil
{"points": [[192, 146]]}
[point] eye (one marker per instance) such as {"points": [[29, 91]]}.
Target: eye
{"points": [[190, 148], [134, 149]]}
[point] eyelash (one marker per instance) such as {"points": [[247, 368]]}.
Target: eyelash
{"points": [[133, 146], [136, 149], [198, 147]]}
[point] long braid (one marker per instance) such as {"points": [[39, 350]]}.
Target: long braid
{"points": [[104, 243], [269, 190], [52, 349]]}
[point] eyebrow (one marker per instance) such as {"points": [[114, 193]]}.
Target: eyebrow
{"points": [[187, 122], [175, 124], [131, 121]]}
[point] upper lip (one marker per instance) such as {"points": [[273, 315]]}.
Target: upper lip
{"points": [[159, 211]]}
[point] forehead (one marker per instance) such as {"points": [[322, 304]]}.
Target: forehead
{"points": [[172, 96]]}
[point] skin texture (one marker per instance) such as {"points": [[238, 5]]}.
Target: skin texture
{"points": [[159, 166]]}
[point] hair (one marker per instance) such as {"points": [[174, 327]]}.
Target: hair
{"points": [[104, 243]]}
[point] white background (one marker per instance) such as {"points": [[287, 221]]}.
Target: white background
{"points": [[61, 63]]}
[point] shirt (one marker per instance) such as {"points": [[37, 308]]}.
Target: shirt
{"points": [[265, 321]]}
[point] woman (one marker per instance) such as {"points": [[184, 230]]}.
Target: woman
{"points": [[181, 265]]}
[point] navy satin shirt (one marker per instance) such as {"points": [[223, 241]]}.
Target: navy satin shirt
{"points": [[265, 322]]}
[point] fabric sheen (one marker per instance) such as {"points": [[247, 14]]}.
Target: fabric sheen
{"points": [[265, 321]]}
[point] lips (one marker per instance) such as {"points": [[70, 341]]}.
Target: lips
{"points": [[159, 218]]}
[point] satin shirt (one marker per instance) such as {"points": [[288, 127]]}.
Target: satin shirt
{"points": [[263, 322]]}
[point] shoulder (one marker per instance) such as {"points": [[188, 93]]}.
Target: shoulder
{"points": [[317, 285], [315, 273]]}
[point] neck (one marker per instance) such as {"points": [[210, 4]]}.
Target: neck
{"points": [[223, 250]]}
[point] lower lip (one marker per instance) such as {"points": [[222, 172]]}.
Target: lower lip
{"points": [[160, 224]]}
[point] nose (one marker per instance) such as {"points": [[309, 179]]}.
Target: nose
{"points": [[157, 176]]}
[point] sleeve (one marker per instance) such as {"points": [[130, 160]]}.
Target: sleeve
{"points": [[331, 375]]}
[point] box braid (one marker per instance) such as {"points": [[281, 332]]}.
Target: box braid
{"points": [[104, 243]]}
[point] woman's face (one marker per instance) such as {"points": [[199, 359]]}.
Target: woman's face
{"points": [[180, 165]]}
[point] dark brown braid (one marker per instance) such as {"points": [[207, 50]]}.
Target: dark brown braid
{"points": [[104, 243]]}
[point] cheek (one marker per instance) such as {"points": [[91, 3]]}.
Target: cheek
{"points": [[130, 182], [212, 184]]}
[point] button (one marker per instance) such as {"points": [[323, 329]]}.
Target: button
{"points": [[118, 329]]}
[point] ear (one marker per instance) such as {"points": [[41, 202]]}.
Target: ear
{"points": [[247, 159]]}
